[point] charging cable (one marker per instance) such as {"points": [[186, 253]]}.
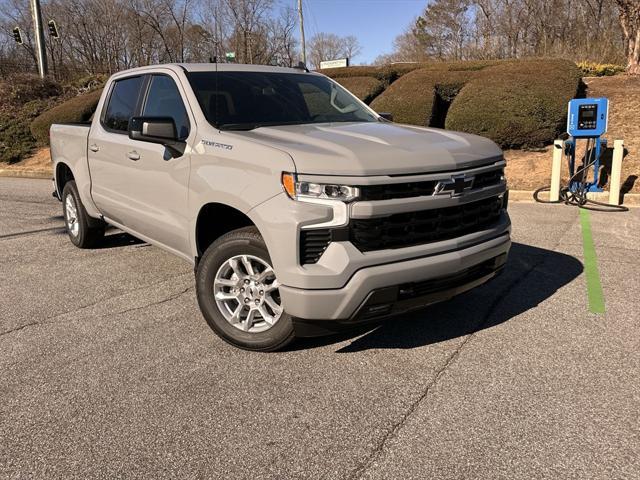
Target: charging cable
{"points": [[578, 195]]}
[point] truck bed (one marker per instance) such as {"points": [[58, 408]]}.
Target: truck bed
{"points": [[69, 146]]}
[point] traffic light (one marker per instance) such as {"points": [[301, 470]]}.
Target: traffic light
{"points": [[53, 29], [17, 35]]}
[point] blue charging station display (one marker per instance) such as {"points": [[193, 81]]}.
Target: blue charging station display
{"points": [[587, 117], [586, 120]]}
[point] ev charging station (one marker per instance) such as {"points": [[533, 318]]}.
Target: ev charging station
{"points": [[587, 121]]}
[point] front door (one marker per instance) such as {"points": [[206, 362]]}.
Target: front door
{"points": [[137, 184]]}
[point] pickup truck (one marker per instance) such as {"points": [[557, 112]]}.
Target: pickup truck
{"points": [[302, 210]]}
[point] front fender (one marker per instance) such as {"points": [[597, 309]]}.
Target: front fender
{"points": [[243, 176]]}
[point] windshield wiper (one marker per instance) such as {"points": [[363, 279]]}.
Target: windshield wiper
{"points": [[251, 126], [238, 126]]}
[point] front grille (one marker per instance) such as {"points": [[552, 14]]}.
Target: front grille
{"points": [[422, 189], [425, 226], [313, 243], [397, 190], [488, 179]]}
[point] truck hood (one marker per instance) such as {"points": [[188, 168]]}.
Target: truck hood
{"points": [[374, 148]]}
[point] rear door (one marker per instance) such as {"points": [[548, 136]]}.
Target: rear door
{"points": [[142, 184], [113, 173]]}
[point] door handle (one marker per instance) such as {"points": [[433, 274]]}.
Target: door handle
{"points": [[94, 148], [133, 155]]}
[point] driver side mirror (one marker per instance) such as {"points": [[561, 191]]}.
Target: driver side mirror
{"points": [[386, 116], [160, 130]]}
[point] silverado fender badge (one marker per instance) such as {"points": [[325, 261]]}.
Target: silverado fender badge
{"points": [[224, 146]]}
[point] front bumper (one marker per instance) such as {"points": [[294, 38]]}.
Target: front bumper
{"points": [[381, 284]]}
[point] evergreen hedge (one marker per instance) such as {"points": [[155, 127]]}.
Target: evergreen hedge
{"points": [[517, 104], [22, 98], [78, 109], [413, 98], [365, 88]]}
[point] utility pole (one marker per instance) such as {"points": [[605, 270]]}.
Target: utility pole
{"points": [[304, 50], [40, 48]]}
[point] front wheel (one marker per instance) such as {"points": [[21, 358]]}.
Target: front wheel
{"points": [[238, 293]]}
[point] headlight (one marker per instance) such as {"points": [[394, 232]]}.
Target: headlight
{"points": [[300, 190]]}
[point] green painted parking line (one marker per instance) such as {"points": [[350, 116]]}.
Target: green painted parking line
{"points": [[594, 287]]}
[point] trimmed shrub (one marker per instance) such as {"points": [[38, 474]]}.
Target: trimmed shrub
{"points": [[16, 141], [89, 82], [412, 98], [386, 74], [357, 71], [18, 89], [516, 104], [592, 69], [473, 65], [365, 88], [78, 109]]}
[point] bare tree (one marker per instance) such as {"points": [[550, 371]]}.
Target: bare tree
{"points": [[484, 29], [329, 46], [282, 45], [247, 17], [443, 28], [630, 23]]}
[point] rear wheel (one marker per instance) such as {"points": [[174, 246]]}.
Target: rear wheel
{"points": [[238, 293], [84, 231]]}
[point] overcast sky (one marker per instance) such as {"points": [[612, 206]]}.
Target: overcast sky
{"points": [[374, 22]]}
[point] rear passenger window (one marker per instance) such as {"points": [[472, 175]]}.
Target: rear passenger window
{"points": [[122, 103], [164, 100]]}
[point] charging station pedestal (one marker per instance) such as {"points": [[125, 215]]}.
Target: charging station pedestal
{"points": [[587, 120]]}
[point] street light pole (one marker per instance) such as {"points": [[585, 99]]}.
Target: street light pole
{"points": [[304, 50], [40, 47]]}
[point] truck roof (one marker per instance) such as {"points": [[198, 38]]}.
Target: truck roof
{"points": [[212, 67], [235, 67]]}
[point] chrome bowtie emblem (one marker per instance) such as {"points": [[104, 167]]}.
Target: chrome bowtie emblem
{"points": [[455, 186]]}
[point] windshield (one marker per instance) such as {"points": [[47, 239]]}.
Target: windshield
{"points": [[246, 100]]}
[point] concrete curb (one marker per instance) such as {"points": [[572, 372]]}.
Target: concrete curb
{"points": [[4, 172], [629, 199]]}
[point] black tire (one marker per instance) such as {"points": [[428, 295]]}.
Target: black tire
{"points": [[244, 241], [89, 230]]}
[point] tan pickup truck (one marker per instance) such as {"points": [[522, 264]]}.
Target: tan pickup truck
{"points": [[302, 210]]}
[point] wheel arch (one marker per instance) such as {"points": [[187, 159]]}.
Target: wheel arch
{"points": [[63, 174], [216, 219]]}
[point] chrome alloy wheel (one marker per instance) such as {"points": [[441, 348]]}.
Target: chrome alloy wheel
{"points": [[246, 292], [71, 215]]}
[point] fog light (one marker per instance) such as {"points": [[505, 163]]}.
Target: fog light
{"points": [[377, 310]]}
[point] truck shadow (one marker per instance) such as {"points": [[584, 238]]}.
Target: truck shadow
{"points": [[113, 238], [531, 276], [116, 238]]}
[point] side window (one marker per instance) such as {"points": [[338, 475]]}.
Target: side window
{"points": [[164, 100], [122, 103]]}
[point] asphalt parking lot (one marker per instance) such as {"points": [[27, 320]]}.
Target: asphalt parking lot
{"points": [[108, 370]]}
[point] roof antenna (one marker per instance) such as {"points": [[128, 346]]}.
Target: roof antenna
{"points": [[213, 59], [301, 66]]}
